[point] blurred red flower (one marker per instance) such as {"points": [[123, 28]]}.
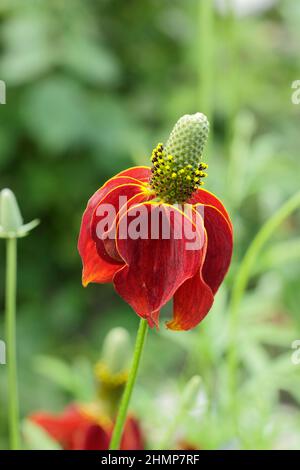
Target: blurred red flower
{"points": [[75, 429], [147, 272]]}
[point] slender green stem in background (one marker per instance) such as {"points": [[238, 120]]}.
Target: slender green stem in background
{"points": [[242, 279], [231, 91], [120, 422], [205, 58], [10, 318], [186, 402]]}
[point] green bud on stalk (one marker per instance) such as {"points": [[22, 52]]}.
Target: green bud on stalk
{"points": [[117, 350], [11, 220]]}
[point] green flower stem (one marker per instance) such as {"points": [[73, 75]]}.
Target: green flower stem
{"points": [[232, 92], [205, 57], [120, 422], [10, 318], [241, 282]]}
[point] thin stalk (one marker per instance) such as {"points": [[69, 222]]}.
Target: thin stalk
{"points": [[205, 58], [233, 79], [121, 418], [185, 404], [241, 282], [10, 319], [205, 63]]}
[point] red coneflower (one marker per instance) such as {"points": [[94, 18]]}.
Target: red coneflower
{"points": [[148, 270]]}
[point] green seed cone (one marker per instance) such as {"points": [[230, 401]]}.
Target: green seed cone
{"points": [[187, 139], [177, 168]]}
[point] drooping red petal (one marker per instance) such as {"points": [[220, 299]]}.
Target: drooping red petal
{"points": [[106, 215], [219, 246], [194, 298], [202, 196], [141, 173], [132, 438], [159, 255], [73, 430], [192, 301], [91, 436], [96, 269], [60, 427]]}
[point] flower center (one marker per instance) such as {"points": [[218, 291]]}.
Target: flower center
{"points": [[177, 168]]}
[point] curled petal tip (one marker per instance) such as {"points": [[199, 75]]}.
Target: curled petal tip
{"points": [[172, 325]]}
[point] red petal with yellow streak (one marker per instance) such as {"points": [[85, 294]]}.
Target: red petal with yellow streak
{"points": [[192, 302], [194, 298], [141, 173], [90, 436], [158, 256], [96, 269], [132, 438], [201, 196], [72, 430], [219, 247], [103, 228]]}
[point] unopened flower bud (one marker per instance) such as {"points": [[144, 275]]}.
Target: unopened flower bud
{"points": [[11, 220], [10, 215], [112, 370], [117, 351]]}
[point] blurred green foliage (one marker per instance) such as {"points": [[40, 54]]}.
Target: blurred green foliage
{"points": [[92, 86]]}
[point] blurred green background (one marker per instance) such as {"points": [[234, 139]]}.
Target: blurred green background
{"points": [[92, 86]]}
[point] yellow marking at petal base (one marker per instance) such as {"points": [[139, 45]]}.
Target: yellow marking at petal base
{"points": [[93, 412], [148, 191], [85, 281]]}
